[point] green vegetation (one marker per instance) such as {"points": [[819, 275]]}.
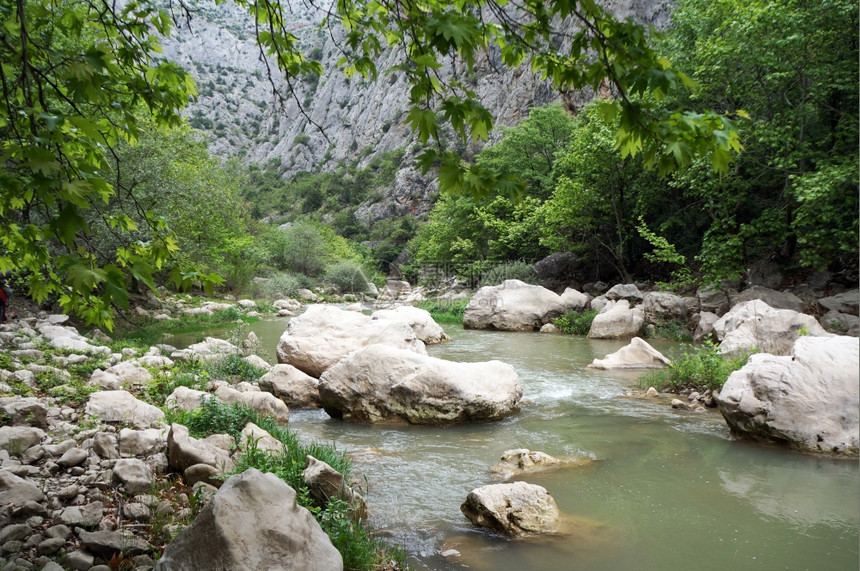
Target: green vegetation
{"points": [[791, 196], [146, 332], [576, 322], [444, 311], [675, 330], [698, 368], [359, 549], [83, 81]]}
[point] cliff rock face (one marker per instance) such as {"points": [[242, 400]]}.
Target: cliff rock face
{"points": [[359, 118]]}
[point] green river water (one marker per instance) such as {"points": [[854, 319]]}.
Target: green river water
{"points": [[656, 488]]}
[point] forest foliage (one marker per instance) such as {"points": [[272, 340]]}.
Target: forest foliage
{"points": [[106, 191], [789, 68]]}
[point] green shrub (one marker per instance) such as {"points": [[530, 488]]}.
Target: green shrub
{"points": [[445, 311], [358, 549], [698, 368], [347, 277], [522, 271], [575, 322], [233, 368], [214, 417], [674, 330]]}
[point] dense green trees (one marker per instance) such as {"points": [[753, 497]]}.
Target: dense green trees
{"points": [[791, 196], [76, 77], [792, 67]]}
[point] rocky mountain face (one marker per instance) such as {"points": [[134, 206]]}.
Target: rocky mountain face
{"points": [[328, 119]]}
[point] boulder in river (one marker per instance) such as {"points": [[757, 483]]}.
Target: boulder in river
{"points": [[808, 399], [515, 306], [516, 509], [253, 522], [637, 355], [381, 383], [323, 335], [426, 329]]}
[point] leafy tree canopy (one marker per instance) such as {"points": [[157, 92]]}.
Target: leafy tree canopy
{"points": [[76, 76]]}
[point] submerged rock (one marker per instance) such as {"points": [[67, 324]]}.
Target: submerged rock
{"points": [[382, 383], [808, 400], [522, 460]]}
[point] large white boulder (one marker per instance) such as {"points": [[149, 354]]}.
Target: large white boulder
{"points": [[380, 383], [517, 509], [808, 399], [122, 406], [253, 522], [514, 306], [324, 334], [755, 324], [617, 320], [420, 320], [637, 355]]}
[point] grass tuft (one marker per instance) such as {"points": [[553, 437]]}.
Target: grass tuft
{"points": [[697, 368]]}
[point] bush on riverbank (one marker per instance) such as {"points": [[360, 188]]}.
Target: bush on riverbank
{"points": [[697, 368], [575, 322], [357, 547], [445, 311]]}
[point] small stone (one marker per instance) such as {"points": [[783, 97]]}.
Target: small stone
{"points": [[61, 531], [33, 454], [108, 543], [136, 512], [61, 448], [14, 532], [13, 546], [73, 457], [51, 546], [52, 566], [134, 474], [85, 516], [164, 508], [104, 445], [679, 404], [651, 393], [68, 492], [80, 560], [694, 396]]}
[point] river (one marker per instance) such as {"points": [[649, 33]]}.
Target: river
{"points": [[652, 488]]}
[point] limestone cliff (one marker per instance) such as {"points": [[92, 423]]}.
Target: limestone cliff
{"points": [[359, 118]]}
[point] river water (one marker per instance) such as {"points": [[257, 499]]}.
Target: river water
{"points": [[649, 487]]}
